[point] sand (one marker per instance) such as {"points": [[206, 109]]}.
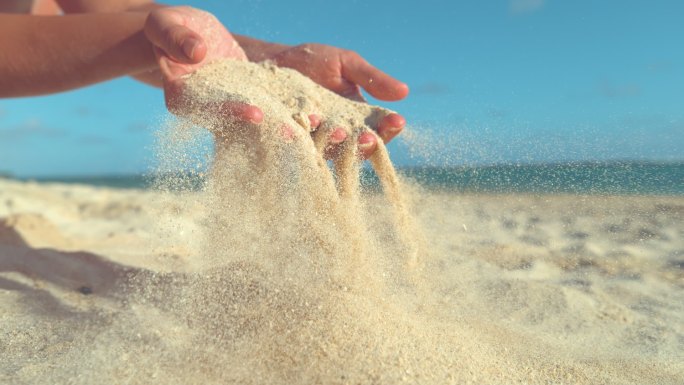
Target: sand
{"points": [[527, 289], [281, 272]]}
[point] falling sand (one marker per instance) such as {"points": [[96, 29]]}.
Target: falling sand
{"points": [[302, 286], [294, 275]]}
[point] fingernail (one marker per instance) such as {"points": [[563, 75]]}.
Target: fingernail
{"points": [[367, 141], [314, 120], [393, 129], [338, 136], [189, 46], [388, 131]]}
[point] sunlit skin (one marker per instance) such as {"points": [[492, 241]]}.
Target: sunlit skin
{"points": [[342, 71], [180, 49]]}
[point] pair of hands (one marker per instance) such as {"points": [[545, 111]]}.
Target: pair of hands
{"points": [[181, 49]]}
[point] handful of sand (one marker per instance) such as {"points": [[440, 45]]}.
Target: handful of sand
{"points": [[291, 266], [285, 96], [288, 97]]}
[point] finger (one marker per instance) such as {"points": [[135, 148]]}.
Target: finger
{"points": [[332, 152], [353, 92], [173, 93], [327, 138], [390, 126], [241, 114], [337, 136], [320, 139], [239, 111], [368, 143], [314, 121], [166, 31], [376, 82], [227, 110], [170, 70], [335, 139]]}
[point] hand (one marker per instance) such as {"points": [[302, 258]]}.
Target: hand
{"points": [[184, 40], [344, 72]]}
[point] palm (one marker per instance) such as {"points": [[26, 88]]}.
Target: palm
{"points": [[320, 63], [186, 39], [345, 72], [341, 71]]}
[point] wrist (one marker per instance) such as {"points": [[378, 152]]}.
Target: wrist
{"points": [[259, 50]]}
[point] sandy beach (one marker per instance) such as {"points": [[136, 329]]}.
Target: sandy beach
{"points": [[282, 212], [95, 288]]}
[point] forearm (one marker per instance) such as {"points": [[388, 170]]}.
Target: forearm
{"points": [[256, 50], [47, 54], [94, 6], [150, 77]]}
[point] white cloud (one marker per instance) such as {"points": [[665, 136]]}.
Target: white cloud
{"points": [[525, 6], [30, 128]]}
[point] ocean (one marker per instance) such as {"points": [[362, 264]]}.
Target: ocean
{"points": [[607, 178]]}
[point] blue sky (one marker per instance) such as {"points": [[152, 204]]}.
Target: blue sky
{"points": [[491, 81]]}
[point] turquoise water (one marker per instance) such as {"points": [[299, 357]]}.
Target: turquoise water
{"points": [[633, 178], [569, 178]]}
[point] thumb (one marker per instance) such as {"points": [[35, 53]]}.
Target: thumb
{"points": [[382, 86], [170, 70], [165, 29]]}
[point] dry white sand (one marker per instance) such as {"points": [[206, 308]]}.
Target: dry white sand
{"points": [[267, 276], [550, 289]]}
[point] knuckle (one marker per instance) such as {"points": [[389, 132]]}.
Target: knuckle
{"points": [[306, 47], [351, 54]]}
